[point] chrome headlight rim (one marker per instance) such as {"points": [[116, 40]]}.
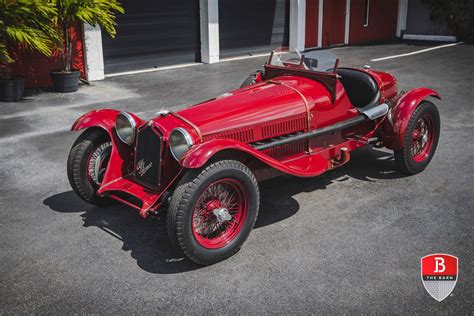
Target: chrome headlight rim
{"points": [[187, 138], [133, 126]]}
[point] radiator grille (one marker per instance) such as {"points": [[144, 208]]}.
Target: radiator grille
{"points": [[148, 157]]}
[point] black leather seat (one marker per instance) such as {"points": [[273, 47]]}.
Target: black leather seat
{"points": [[360, 87]]}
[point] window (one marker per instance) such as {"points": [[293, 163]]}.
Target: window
{"points": [[366, 13]]}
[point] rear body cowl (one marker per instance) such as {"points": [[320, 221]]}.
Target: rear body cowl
{"points": [[386, 82]]}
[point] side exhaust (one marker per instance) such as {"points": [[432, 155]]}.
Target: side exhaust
{"points": [[367, 115], [376, 111]]}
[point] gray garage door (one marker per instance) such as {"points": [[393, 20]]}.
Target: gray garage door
{"points": [[252, 26], [419, 21], [153, 33]]}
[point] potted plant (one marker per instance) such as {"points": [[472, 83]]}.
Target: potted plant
{"points": [[71, 13], [24, 23]]}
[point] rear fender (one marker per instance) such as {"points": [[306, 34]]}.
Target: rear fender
{"points": [[394, 128], [200, 154]]}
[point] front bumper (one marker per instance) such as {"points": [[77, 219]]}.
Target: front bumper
{"points": [[126, 191]]}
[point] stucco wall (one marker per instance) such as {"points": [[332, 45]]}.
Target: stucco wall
{"points": [[36, 67]]}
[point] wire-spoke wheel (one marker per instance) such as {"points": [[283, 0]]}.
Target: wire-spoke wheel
{"points": [[219, 213], [213, 210], [421, 139], [97, 163]]}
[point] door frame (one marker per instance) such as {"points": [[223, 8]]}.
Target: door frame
{"points": [[346, 26]]}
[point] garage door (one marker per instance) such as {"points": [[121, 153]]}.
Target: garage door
{"points": [[153, 33], [252, 26]]}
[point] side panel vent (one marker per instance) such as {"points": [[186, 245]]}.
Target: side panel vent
{"points": [[244, 135], [284, 126]]}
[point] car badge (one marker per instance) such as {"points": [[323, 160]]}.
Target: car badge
{"points": [[439, 274], [142, 168]]}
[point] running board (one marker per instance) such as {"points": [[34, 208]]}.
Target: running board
{"points": [[369, 114]]}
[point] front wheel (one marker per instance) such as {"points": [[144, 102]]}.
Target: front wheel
{"points": [[87, 163], [421, 139], [213, 210]]}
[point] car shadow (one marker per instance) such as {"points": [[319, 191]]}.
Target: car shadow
{"points": [[366, 164], [148, 242]]}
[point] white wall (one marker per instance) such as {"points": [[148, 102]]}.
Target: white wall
{"points": [[209, 14], [402, 16], [93, 54], [297, 24]]}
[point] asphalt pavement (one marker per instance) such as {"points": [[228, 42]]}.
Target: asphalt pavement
{"points": [[349, 241]]}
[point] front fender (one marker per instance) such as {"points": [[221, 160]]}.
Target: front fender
{"points": [[200, 154], [121, 153], [104, 118], [394, 127]]}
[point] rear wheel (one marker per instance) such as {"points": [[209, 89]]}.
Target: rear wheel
{"points": [[213, 210], [86, 165], [421, 139]]}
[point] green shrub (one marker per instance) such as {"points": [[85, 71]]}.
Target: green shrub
{"points": [[457, 14]]}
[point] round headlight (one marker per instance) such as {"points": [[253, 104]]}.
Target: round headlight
{"points": [[125, 126], [180, 142]]}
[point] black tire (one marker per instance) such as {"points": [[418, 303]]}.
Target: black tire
{"points": [[404, 157], [252, 78], [181, 227], [77, 165]]}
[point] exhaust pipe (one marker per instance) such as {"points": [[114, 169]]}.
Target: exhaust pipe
{"points": [[367, 115], [376, 111]]}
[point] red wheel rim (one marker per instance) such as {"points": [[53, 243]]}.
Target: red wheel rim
{"points": [[219, 213], [422, 138]]}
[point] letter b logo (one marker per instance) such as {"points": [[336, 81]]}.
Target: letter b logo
{"points": [[439, 265]]}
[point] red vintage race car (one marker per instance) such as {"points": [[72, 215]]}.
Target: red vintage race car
{"points": [[202, 164]]}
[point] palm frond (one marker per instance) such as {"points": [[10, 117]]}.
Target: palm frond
{"points": [[4, 55], [31, 37], [26, 22], [93, 12]]}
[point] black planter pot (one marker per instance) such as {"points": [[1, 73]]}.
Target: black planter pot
{"points": [[11, 90], [65, 81]]}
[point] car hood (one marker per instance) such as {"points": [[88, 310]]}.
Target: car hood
{"points": [[256, 112]]}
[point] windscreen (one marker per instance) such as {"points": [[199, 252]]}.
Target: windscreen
{"points": [[316, 60]]}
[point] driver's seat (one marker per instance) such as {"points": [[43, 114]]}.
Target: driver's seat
{"points": [[360, 87]]}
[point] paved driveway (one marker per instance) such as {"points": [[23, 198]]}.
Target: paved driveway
{"points": [[348, 241]]}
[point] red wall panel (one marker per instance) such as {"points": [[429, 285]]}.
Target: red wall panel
{"points": [[312, 20], [36, 67], [382, 21]]}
